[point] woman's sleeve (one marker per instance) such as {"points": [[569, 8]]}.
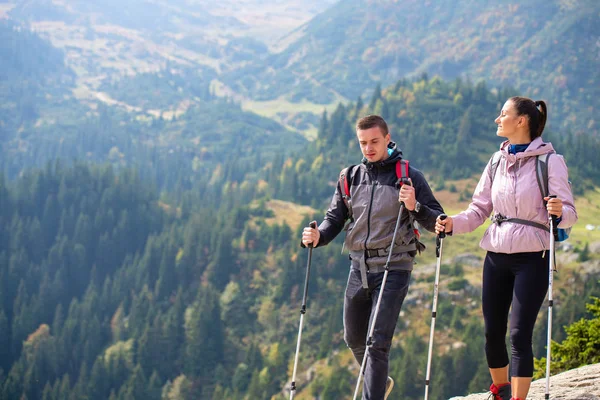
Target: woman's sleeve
{"points": [[480, 208], [559, 185]]}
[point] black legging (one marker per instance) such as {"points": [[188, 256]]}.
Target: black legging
{"points": [[520, 279]]}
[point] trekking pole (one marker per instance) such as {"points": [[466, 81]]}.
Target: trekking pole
{"points": [[385, 274], [302, 312], [551, 264], [438, 253]]}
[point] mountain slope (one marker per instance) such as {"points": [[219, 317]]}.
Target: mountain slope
{"points": [[41, 119], [546, 49]]}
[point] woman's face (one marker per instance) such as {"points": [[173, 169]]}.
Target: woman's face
{"points": [[510, 125]]}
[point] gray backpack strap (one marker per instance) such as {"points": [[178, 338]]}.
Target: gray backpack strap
{"points": [[541, 172], [499, 219], [494, 161]]}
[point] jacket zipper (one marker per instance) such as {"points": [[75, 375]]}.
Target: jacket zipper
{"points": [[369, 215], [517, 170]]}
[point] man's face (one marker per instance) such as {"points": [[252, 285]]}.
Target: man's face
{"points": [[373, 144]]}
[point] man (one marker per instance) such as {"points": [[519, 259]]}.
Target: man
{"points": [[372, 209]]}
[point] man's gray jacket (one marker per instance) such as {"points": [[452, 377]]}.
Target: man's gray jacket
{"points": [[374, 210]]}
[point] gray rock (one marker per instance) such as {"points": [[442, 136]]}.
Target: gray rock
{"points": [[595, 248], [578, 384], [590, 268]]}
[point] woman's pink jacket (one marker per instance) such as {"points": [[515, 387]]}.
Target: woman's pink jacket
{"points": [[515, 194]]}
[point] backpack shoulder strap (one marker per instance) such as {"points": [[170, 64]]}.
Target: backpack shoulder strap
{"points": [[344, 183], [345, 186], [402, 169], [494, 162], [402, 173], [541, 172]]}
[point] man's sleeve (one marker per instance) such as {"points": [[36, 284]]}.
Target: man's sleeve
{"points": [[335, 218], [430, 207]]}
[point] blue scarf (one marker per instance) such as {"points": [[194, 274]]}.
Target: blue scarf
{"points": [[517, 148]]}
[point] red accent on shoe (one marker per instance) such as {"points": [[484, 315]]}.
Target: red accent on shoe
{"points": [[496, 390]]}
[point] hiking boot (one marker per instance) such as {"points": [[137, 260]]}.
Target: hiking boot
{"points": [[501, 392], [389, 385]]}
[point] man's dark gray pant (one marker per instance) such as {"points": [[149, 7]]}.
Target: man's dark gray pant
{"points": [[359, 309]]}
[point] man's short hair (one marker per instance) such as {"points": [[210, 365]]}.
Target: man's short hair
{"points": [[371, 121]]}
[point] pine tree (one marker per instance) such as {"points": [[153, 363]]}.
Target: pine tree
{"points": [[441, 386], [223, 263], [5, 359], [204, 335], [357, 109], [13, 385], [154, 387], [255, 388], [99, 382], [65, 387], [241, 378], [376, 96], [167, 277], [150, 353], [323, 133], [136, 386], [79, 390], [47, 393]]}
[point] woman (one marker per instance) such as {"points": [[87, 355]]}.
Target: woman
{"points": [[515, 269]]}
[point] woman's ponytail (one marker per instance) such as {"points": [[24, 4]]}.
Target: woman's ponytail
{"points": [[543, 115], [536, 112]]}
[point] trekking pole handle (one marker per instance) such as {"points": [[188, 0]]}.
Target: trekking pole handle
{"points": [[403, 181], [554, 222], [552, 196], [314, 226], [442, 234]]}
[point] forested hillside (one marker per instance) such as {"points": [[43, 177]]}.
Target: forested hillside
{"points": [[545, 49], [41, 120], [306, 53], [27, 78], [107, 292], [110, 290], [445, 129], [151, 251]]}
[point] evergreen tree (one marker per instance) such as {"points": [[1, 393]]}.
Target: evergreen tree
{"points": [[47, 393], [376, 96], [137, 385], [98, 386], [4, 342], [204, 335], [154, 387]]}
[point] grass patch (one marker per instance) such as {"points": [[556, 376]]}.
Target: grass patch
{"points": [[270, 108], [588, 211], [274, 108], [290, 213]]}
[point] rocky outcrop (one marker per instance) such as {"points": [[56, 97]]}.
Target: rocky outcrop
{"points": [[578, 384]]}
